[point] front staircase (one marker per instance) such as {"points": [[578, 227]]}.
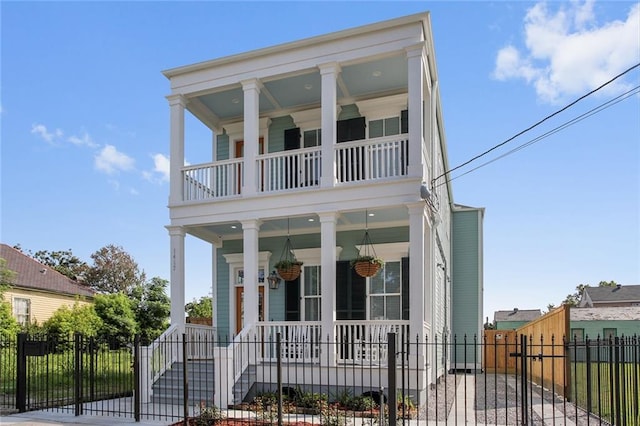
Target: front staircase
{"points": [[169, 388]]}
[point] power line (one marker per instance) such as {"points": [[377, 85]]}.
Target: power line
{"points": [[536, 124], [599, 108]]}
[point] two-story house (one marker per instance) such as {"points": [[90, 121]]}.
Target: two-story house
{"points": [[321, 149]]}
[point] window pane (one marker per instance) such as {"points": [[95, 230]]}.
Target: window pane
{"points": [[391, 126], [377, 307], [393, 308], [392, 277], [377, 283], [375, 129], [311, 280], [310, 138], [312, 309]]}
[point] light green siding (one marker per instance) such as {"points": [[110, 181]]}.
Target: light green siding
{"points": [[593, 329], [509, 325], [276, 132], [466, 280], [222, 147]]}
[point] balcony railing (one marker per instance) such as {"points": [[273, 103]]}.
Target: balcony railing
{"points": [[365, 160]]}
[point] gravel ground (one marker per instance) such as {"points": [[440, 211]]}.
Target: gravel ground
{"points": [[495, 400]]}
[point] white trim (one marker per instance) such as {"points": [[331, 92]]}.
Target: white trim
{"points": [[390, 251], [235, 262]]}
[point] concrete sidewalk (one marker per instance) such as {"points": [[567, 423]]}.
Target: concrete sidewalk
{"points": [[44, 418]]}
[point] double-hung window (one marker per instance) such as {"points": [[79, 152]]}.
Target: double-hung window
{"points": [[311, 293], [385, 293], [22, 310]]}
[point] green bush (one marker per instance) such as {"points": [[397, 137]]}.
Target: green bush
{"points": [[66, 321], [118, 320], [9, 327]]}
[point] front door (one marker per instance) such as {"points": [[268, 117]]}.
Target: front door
{"points": [[240, 306]]}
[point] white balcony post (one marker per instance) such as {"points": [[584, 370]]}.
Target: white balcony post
{"points": [[329, 74], [176, 235], [417, 274], [416, 67], [328, 259], [251, 135], [250, 230], [177, 105]]}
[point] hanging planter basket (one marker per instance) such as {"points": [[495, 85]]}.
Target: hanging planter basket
{"points": [[288, 271], [367, 264], [367, 267], [288, 266]]}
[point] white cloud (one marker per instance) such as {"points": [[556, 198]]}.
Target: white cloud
{"points": [[160, 170], [85, 140], [110, 160], [568, 53], [42, 131]]}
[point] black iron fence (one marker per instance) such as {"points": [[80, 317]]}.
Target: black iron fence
{"points": [[431, 381]]}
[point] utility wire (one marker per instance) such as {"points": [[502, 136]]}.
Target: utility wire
{"points": [[536, 124], [599, 108]]}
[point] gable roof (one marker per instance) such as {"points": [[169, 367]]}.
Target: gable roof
{"points": [[517, 315], [620, 293], [33, 275]]}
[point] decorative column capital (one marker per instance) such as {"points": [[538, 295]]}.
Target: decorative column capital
{"points": [[329, 217], [329, 68], [417, 49], [251, 84], [175, 231], [251, 224], [177, 99]]}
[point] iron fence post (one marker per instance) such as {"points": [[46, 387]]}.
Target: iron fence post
{"points": [[77, 373], [136, 377], [279, 375], [523, 379], [616, 378], [21, 374], [392, 386], [185, 380]]}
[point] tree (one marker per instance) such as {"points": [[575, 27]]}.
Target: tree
{"points": [[201, 308], [118, 320], [64, 262], [9, 327], [152, 307], [113, 271], [66, 321], [574, 298]]}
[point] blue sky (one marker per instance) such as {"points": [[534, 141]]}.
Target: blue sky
{"points": [[85, 126]]}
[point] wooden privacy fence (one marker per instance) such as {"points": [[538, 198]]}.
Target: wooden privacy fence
{"points": [[545, 353]]}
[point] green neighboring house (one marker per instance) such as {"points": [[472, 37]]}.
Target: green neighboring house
{"points": [[604, 322], [516, 318]]}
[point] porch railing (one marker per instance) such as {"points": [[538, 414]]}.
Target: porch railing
{"points": [[289, 170], [217, 180], [300, 340], [380, 158], [372, 159], [366, 342]]}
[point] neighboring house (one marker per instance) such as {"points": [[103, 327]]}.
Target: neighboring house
{"points": [[319, 141], [604, 322], [516, 318], [37, 290], [618, 296]]}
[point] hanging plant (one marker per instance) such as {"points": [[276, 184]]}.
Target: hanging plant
{"points": [[288, 266], [367, 264]]}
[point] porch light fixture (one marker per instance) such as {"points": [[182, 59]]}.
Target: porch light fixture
{"points": [[274, 280]]}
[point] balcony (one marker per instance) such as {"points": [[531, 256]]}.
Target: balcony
{"points": [[368, 160]]}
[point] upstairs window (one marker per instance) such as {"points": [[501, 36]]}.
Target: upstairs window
{"points": [[389, 126], [312, 138], [577, 334]]}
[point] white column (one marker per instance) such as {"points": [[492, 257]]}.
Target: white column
{"points": [[214, 283], [177, 104], [176, 235], [417, 284], [250, 230], [328, 267], [415, 66], [251, 135], [329, 74]]}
